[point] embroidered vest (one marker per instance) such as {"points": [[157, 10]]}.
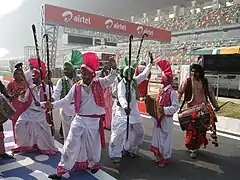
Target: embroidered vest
{"points": [[189, 93], [66, 86], [166, 97], [97, 91]]}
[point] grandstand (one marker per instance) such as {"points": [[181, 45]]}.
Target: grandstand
{"points": [[209, 25], [212, 24]]}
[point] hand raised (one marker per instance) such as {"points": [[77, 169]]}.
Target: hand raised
{"points": [[112, 63], [48, 105]]}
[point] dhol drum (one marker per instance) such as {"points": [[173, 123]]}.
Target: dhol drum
{"points": [[6, 109], [198, 113]]}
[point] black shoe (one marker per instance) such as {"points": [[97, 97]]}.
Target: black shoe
{"points": [[214, 136], [215, 143], [125, 153], [55, 176], [94, 171], [6, 156], [133, 155], [61, 137]]}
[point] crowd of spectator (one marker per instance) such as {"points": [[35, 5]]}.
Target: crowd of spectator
{"points": [[179, 53], [204, 19]]}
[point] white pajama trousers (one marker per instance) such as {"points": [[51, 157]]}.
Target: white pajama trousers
{"points": [[30, 133], [82, 147], [162, 142], [118, 137]]}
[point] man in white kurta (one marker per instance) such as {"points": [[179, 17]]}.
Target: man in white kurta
{"points": [[119, 125], [33, 133], [162, 130], [114, 92], [63, 86], [82, 148]]}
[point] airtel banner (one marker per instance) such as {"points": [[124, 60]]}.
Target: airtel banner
{"points": [[78, 19]]}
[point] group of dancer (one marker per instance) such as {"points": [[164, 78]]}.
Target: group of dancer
{"points": [[82, 110]]}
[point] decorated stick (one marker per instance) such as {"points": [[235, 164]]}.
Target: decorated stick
{"points": [[50, 113], [39, 61], [39, 64], [129, 83], [140, 46]]}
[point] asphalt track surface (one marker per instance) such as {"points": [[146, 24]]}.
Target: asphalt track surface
{"points": [[212, 163]]}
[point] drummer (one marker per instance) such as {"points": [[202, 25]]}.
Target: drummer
{"points": [[3, 154], [195, 95], [162, 130]]}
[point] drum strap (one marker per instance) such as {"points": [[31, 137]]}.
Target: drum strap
{"points": [[184, 100]]}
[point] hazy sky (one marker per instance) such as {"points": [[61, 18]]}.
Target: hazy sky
{"points": [[15, 31]]}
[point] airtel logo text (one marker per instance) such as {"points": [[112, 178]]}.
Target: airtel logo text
{"points": [[110, 24], [141, 31], [68, 16]]}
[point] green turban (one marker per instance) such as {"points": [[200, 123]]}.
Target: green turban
{"points": [[76, 59], [126, 72], [68, 65], [125, 63], [123, 67]]}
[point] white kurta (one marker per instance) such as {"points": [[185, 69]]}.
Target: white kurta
{"points": [[119, 125], [162, 137], [114, 94], [82, 148], [32, 127], [66, 113]]}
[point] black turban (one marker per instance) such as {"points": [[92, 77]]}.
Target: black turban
{"points": [[199, 69]]}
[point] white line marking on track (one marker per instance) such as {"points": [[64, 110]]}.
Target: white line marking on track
{"points": [[101, 175], [14, 165], [39, 175]]}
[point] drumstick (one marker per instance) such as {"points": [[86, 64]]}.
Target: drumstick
{"points": [[224, 104]]}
